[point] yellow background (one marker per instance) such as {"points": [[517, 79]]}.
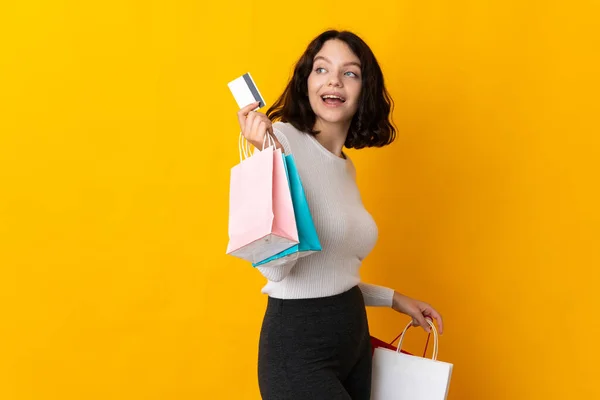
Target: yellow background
{"points": [[117, 133]]}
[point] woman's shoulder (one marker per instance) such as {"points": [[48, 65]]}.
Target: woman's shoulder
{"points": [[287, 129], [290, 137]]}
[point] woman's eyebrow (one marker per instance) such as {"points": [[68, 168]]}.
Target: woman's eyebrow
{"points": [[345, 64]]}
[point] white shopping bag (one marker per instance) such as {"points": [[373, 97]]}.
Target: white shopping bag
{"points": [[399, 376]]}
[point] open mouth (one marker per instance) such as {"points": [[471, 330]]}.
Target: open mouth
{"points": [[333, 100]]}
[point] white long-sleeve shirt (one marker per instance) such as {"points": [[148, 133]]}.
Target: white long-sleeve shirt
{"points": [[346, 230]]}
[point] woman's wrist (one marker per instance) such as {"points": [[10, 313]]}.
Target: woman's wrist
{"points": [[396, 301]]}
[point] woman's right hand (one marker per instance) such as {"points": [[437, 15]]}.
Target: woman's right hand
{"points": [[254, 125]]}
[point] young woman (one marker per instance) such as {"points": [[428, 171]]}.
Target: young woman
{"points": [[315, 341]]}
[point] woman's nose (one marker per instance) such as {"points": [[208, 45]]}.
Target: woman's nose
{"points": [[334, 81]]}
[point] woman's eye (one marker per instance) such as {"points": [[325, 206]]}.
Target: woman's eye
{"points": [[353, 74], [318, 69]]}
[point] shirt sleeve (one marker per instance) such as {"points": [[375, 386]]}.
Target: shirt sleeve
{"points": [[376, 296], [283, 140], [276, 273]]}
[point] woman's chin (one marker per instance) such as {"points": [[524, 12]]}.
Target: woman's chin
{"points": [[333, 116]]}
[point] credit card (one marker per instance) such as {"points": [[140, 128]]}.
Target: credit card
{"points": [[245, 92]]}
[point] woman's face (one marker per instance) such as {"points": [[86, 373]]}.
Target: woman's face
{"points": [[334, 83]]}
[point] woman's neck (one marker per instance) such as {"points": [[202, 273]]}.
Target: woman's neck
{"points": [[332, 136]]}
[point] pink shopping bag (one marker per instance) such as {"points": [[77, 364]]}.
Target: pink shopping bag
{"points": [[261, 213]]}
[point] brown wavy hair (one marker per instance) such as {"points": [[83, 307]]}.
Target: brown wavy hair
{"points": [[371, 125]]}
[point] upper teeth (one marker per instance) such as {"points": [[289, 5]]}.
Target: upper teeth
{"points": [[331, 96]]}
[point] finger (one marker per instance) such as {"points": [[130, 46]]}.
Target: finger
{"points": [[432, 314], [256, 133], [268, 124], [423, 323], [438, 319], [263, 127], [243, 113], [248, 124], [246, 109], [269, 127]]}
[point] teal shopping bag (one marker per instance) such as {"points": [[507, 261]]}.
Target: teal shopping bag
{"points": [[307, 234]]}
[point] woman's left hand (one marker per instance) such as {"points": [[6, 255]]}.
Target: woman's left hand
{"points": [[418, 311]]}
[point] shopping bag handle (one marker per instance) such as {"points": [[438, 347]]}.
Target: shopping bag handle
{"points": [[435, 338], [244, 147], [426, 343]]}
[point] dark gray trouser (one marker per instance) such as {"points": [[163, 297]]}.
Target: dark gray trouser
{"points": [[315, 349]]}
